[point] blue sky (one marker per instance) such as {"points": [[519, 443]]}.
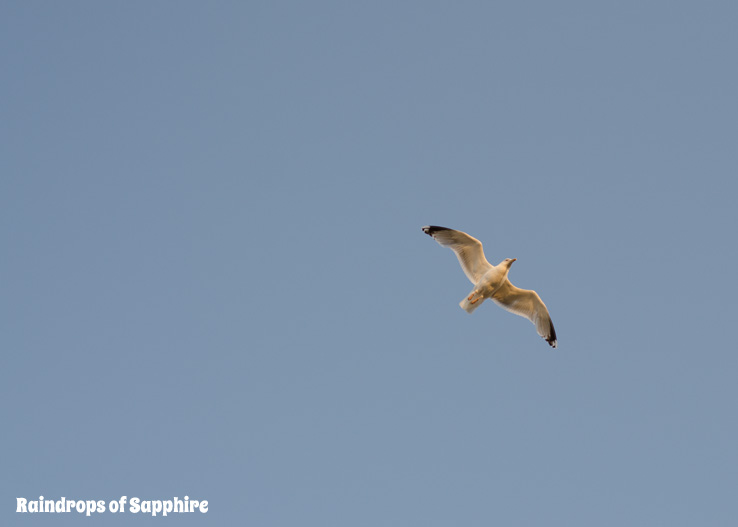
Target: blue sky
{"points": [[215, 283]]}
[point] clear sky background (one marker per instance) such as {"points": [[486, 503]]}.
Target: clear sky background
{"points": [[214, 281]]}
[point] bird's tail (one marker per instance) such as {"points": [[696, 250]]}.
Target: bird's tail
{"points": [[467, 306]]}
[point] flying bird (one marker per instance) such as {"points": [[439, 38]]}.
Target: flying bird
{"points": [[490, 281]]}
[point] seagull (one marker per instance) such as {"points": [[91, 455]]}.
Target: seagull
{"points": [[490, 281]]}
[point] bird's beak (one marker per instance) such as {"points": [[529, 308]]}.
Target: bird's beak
{"points": [[514, 259]]}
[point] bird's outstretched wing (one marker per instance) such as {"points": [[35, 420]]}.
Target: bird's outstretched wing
{"points": [[528, 304], [468, 250]]}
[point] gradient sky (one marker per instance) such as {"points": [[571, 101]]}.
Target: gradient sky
{"points": [[214, 281]]}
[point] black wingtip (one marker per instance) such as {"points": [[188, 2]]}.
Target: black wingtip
{"points": [[552, 336], [430, 229]]}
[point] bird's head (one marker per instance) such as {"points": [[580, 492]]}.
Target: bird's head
{"points": [[509, 261]]}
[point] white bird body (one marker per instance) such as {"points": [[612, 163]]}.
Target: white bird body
{"points": [[491, 281], [486, 287]]}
